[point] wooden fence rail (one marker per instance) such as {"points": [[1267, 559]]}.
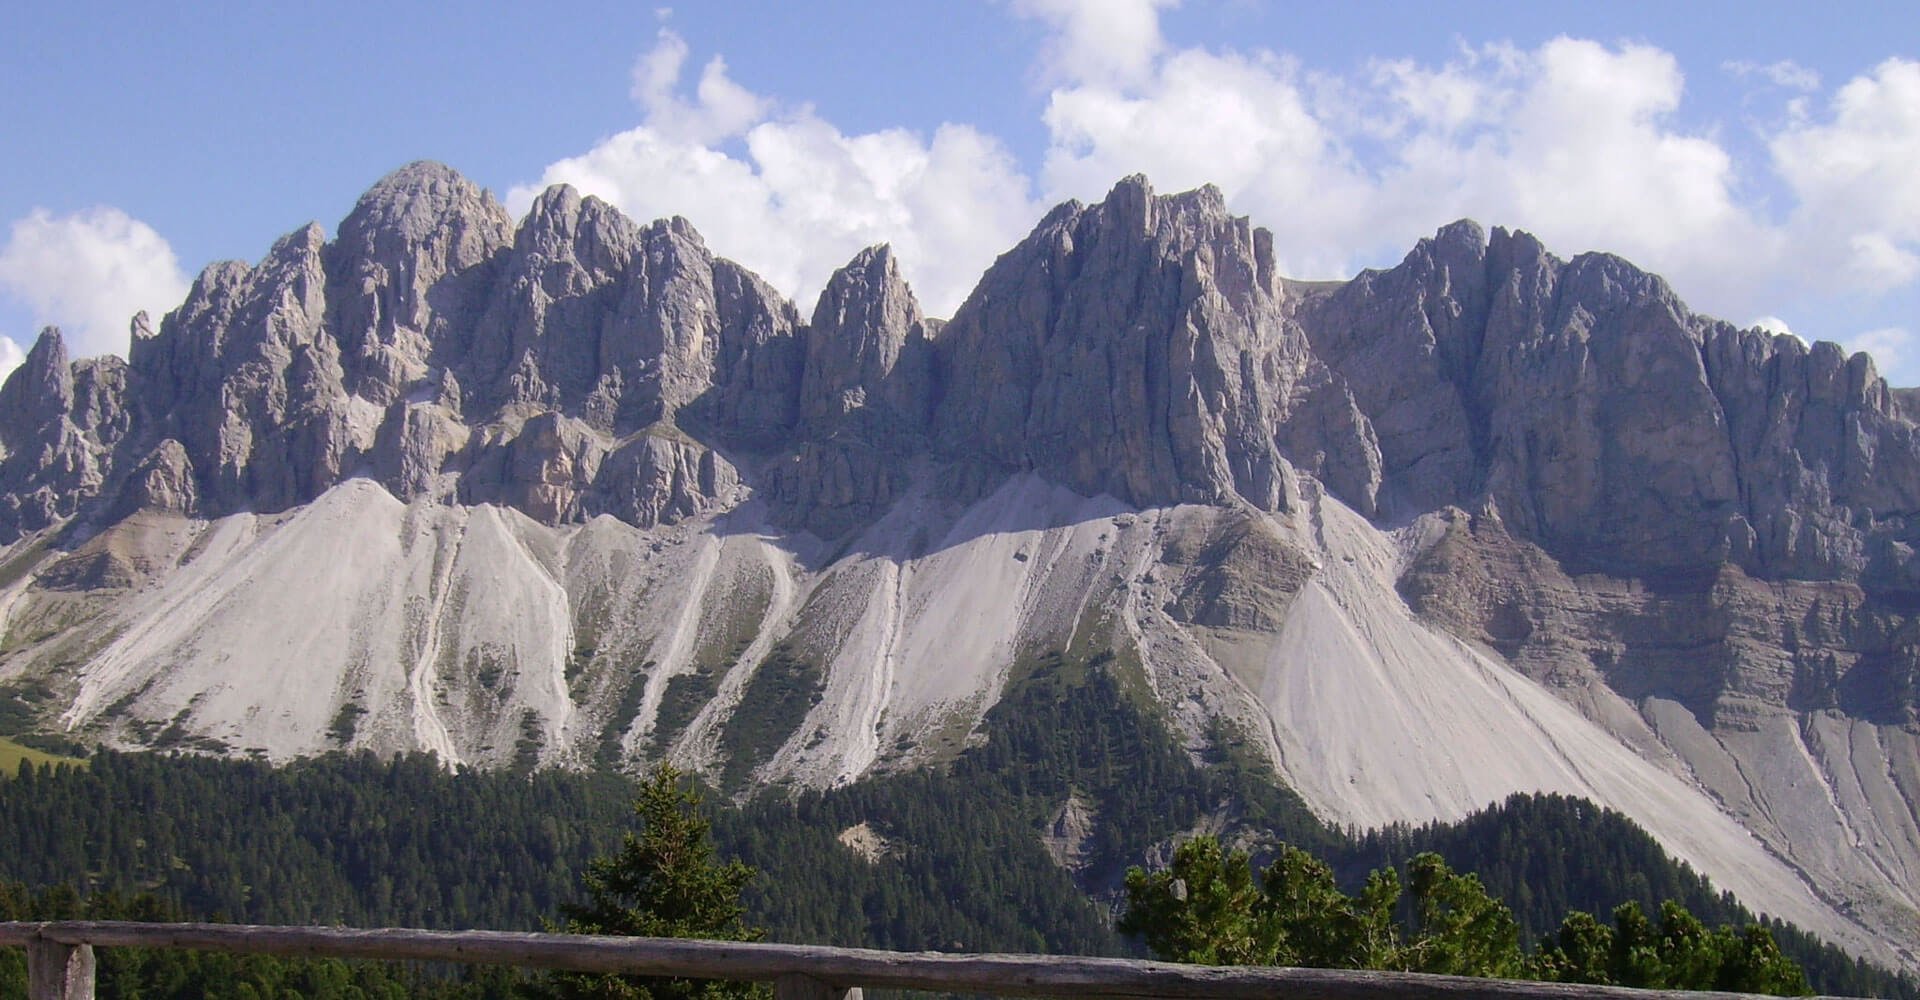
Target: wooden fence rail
{"points": [[60, 965]]}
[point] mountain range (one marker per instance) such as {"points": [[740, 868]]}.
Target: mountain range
{"points": [[573, 490]]}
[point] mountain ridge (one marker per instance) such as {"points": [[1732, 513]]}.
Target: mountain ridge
{"points": [[320, 322], [563, 490]]}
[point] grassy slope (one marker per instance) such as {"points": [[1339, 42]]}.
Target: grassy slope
{"points": [[11, 754]]}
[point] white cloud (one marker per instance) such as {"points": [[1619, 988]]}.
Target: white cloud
{"points": [[1580, 148], [1571, 140], [1774, 325], [1854, 176], [657, 71], [1576, 141], [1112, 42], [1785, 73], [1891, 347], [1241, 122], [1582, 143], [803, 197], [720, 108], [88, 273], [10, 356]]}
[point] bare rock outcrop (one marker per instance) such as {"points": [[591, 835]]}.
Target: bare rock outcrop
{"points": [[422, 343], [867, 348], [1142, 347], [1233, 572], [865, 400], [61, 423], [1702, 537], [1139, 348], [1611, 425], [407, 275], [163, 481]]}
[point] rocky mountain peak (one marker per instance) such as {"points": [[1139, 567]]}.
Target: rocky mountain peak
{"points": [[406, 237], [669, 249], [296, 247], [1176, 223], [862, 323], [679, 228], [1456, 255], [1116, 346], [424, 203], [1482, 455], [562, 225], [42, 386], [1142, 347], [1461, 235], [1132, 206], [874, 266], [60, 423]]}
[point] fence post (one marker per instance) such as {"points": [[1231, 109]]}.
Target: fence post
{"points": [[798, 987], [58, 971]]}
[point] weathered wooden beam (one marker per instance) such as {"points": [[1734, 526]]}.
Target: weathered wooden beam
{"points": [[796, 987], [838, 968], [57, 970]]}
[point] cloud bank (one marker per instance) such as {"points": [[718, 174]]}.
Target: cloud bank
{"points": [[791, 196], [1578, 141], [88, 273], [1581, 142]]}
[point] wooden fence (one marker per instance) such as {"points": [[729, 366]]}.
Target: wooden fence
{"points": [[60, 965]]}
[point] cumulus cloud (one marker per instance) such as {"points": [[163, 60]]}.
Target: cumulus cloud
{"points": [[88, 273], [720, 107], [1772, 324], [10, 356], [1583, 143], [799, 197], [1853, 174], [1892, 347], [1581, 147], [1572, 140], [1580, 142], [1242, 122], [1111, 42]]}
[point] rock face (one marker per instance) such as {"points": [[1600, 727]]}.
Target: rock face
{"points": [[1136, 348], [449, 481], [441, 349], [580, 364], [1613, 427], [61, 427]]}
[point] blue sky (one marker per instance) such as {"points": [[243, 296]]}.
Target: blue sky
{"points": [[1764, 160]]}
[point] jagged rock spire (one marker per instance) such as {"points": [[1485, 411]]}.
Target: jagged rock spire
{"points": [[861, 325]]}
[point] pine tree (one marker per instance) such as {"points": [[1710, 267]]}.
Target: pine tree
{"points": [[663, 882], [1204, 909], [1461, 931]]}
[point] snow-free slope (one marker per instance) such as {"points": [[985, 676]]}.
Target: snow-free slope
{"points": [[571, 490], [486, 638], [1379, 718]]}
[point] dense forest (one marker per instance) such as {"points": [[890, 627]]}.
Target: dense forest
{"points": [[1019, 843]]}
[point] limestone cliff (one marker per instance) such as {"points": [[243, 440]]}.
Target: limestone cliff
{"points": [[1484, 521]]}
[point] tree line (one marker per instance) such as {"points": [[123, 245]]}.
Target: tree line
{"points": [[359, 840]]}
